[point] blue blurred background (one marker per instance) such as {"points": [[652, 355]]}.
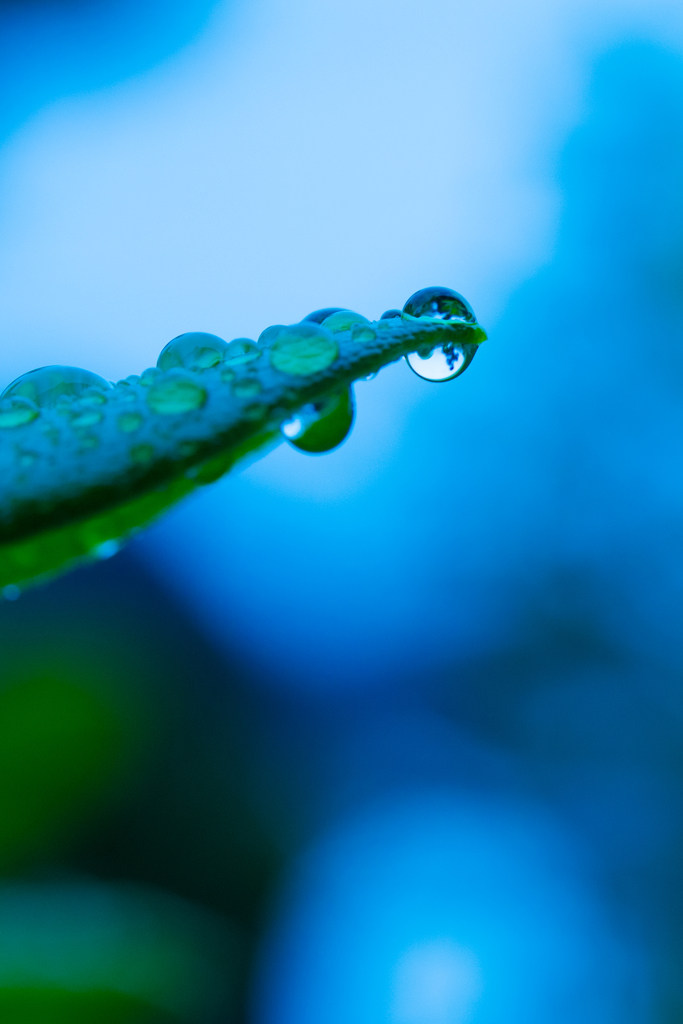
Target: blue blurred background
{"points": [[394, 735]]}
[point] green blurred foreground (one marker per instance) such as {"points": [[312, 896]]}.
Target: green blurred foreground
{"points": [[132, 867]]}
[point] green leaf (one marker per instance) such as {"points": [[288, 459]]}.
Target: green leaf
{"points": [[77, 481]]}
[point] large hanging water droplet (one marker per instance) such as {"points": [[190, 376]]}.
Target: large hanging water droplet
{"points": [[303, 349], [318, 315], [439, 304], [443, 363], [321, 426], [192, 351], [175, 394], [16, 412], [48, 384], [343, 320]]}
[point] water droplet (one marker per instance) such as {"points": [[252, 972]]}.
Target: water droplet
{"points": [[343, 320], [439, 304], [268, 336], [129, 421], [192, 351], [303, 349], [442, 363], [359, 332], [175, 394], [241, 351], [390, 314], [26, 458], [227, 375], [86, 419], [16, 412], [48, 384], [107, 549], [147, 377], [11, 592], [321, 426], [246, 388], [188, 448], [318, 315], [141, 454]]}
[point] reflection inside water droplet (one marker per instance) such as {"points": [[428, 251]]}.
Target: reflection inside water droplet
{"points": [[439, 304], [442, 364], [321, 426]]}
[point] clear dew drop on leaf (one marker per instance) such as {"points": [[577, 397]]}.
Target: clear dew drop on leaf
{"points": [[322, 426], [303, 349], [192, 351], [241, 351], [439, 304], [175, 394], [343, 320], [48, 384], [318, 315]]}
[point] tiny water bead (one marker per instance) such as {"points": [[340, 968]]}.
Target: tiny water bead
{"points": [[439, 304], [16, 412], [321, 426], [318, 315], [147, 377], [362, 332], [442, 363], [175, 394], [241, 351], [391, 314], [193, 351], [48, 384], [343, 320], [303, 349]]}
